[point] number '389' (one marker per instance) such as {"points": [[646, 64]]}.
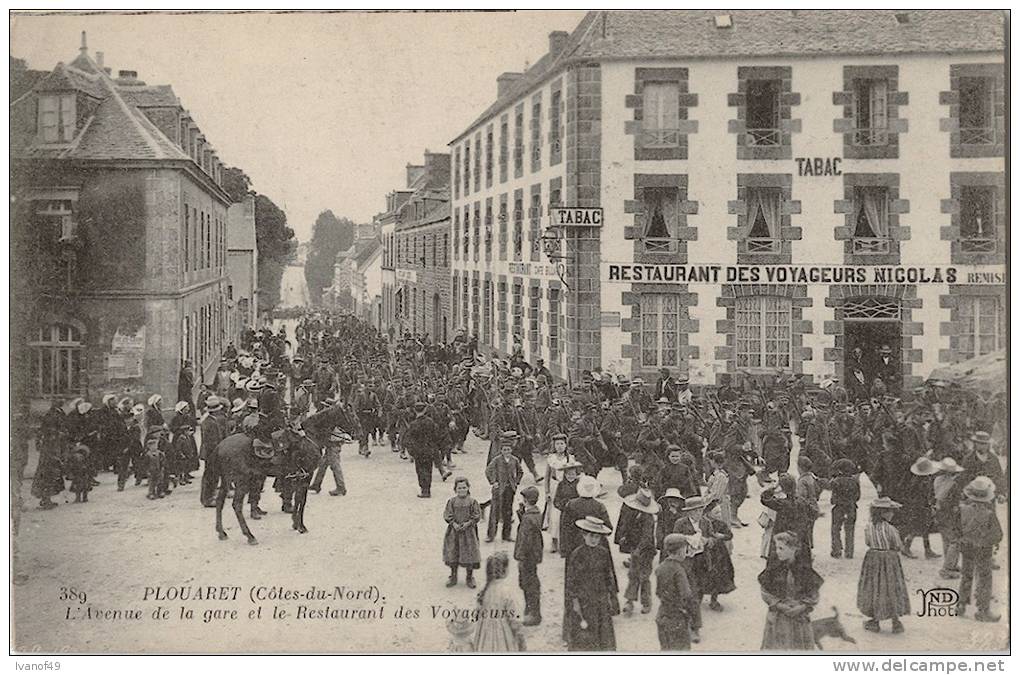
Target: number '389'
{"points": [[72, 594]]}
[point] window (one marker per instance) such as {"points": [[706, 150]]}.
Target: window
{"points": [[661, 115], [534, 307], [519, 142], [534, 220], [660, 330], [465, 300], [763, 332], [455, 301], [477, 229], [487, 314], [871, 112], [554, 121], [187, 238], [554, 324], [981, 325], [54, 219], [488, 229], [536, 136], [518, 225], [57, 360], [763, 214], [978, 218], [478, 161], [467, 226], [660, 218], [763, 112], [518, 312], [503, 217], [467, 167], [456, 173], [488, 157], [504, 140], [976, 111], [871, 220], [56, 120]]}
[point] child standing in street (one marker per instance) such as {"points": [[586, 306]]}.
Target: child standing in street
{"points": [[676, 598], [947, 516], [641, 543], [460, 545], [881, 589], [846, 491], [528, 554], [981, 532]]}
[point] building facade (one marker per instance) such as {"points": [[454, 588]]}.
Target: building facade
{"points": [[119, 236], [367, 282], [762, 211], [242, 268]]}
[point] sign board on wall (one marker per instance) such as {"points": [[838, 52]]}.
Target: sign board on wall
{"points": [[407, 275], [565, 216], [801, 274], [124, 361]]}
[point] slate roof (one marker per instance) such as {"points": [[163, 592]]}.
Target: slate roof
{"points": [[690, 34], [366, 248], [117, 129]]}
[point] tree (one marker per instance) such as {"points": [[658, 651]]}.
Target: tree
{"points": [[330, 236], [273, 239]]}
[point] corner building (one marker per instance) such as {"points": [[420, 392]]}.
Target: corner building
{"points": [[763, 211]]}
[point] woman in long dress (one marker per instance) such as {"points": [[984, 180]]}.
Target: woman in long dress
{"points": [[591, 591], [498, 628], [553, 476], [789, 586]]}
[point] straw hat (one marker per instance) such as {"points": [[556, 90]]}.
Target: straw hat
{"points": [[180, 406], [588, 487], [237, 406], [949, 464], [924, 467], [593, 524], [885, 503], [213, 403], [672, 492], [108, 397], [981, 489], [155, 400], [981, 437], [642, 501], [692, 503], [84, 407]]}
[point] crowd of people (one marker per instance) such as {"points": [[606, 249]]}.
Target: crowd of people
{"points": [[684, 457]]}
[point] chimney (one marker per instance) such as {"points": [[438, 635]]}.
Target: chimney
{"points": [[413, 173], [505, 82], [127, 74], [99, 59], [557, 41]]}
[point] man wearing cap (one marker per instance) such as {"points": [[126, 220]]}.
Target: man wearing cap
{"points": [[665, 387], [366, 406], [677, 601], [214, 430], [504, 475], [419, 440]]}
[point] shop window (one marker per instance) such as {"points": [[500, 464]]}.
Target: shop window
{"points": [[764, 213], [660, 330], [660, 209], [871, 117], [871, 220], [763, 331], [982, 327], [660, 120], [978, 219], [976, 111], [763, 113], [57, 360]]}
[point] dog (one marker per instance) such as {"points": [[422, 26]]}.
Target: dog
{"points": [[830, 627]]}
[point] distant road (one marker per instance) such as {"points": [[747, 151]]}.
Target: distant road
{"points": [[293, 290]]}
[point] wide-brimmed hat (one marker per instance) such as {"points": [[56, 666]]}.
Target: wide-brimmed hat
{"points": [[949, 464], [642, 501], [981, 489], [886, 349], [508, 437], [672, 492], [180, 406], [981, 437], [572, 465], [885, 503], [588, 487], [237, 405], [694, 503], [213, 403], [559, 436], [593, 524], [253, 404], [84, 407], [924, 467], [338, 436], [662, 401], [108, 397], [155, 399], [307, 382], [253, 385]]}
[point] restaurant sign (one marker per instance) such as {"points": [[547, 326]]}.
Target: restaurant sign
{"points": [[801, 274]]}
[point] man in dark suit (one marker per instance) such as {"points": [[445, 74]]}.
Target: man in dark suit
{"points": [[888, 369], [528, 554], [504, 475], [665, 388], [420, 440]]}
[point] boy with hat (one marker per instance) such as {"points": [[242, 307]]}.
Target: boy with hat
{"points": [[528, 554], [590, 589], [676, 597], [981, 533], [947, 516], [640, 542], [504, 475]]}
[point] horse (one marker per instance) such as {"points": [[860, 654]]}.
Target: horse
{"points": [[241, 462], [300, 457]]}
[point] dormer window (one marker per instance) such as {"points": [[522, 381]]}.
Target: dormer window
{"points": [[56, 118]]}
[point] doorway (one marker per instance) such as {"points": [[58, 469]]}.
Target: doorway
{"points": [[873, 340]]}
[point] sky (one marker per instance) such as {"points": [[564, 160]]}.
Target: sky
{"points": [[322, 111]]}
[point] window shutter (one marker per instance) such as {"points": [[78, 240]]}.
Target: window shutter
{"points": [[67, 116]]}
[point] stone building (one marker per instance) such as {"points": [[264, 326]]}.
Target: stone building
{"points": [[415, 233], [119, 237], [242, 268], [776, 188]]}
